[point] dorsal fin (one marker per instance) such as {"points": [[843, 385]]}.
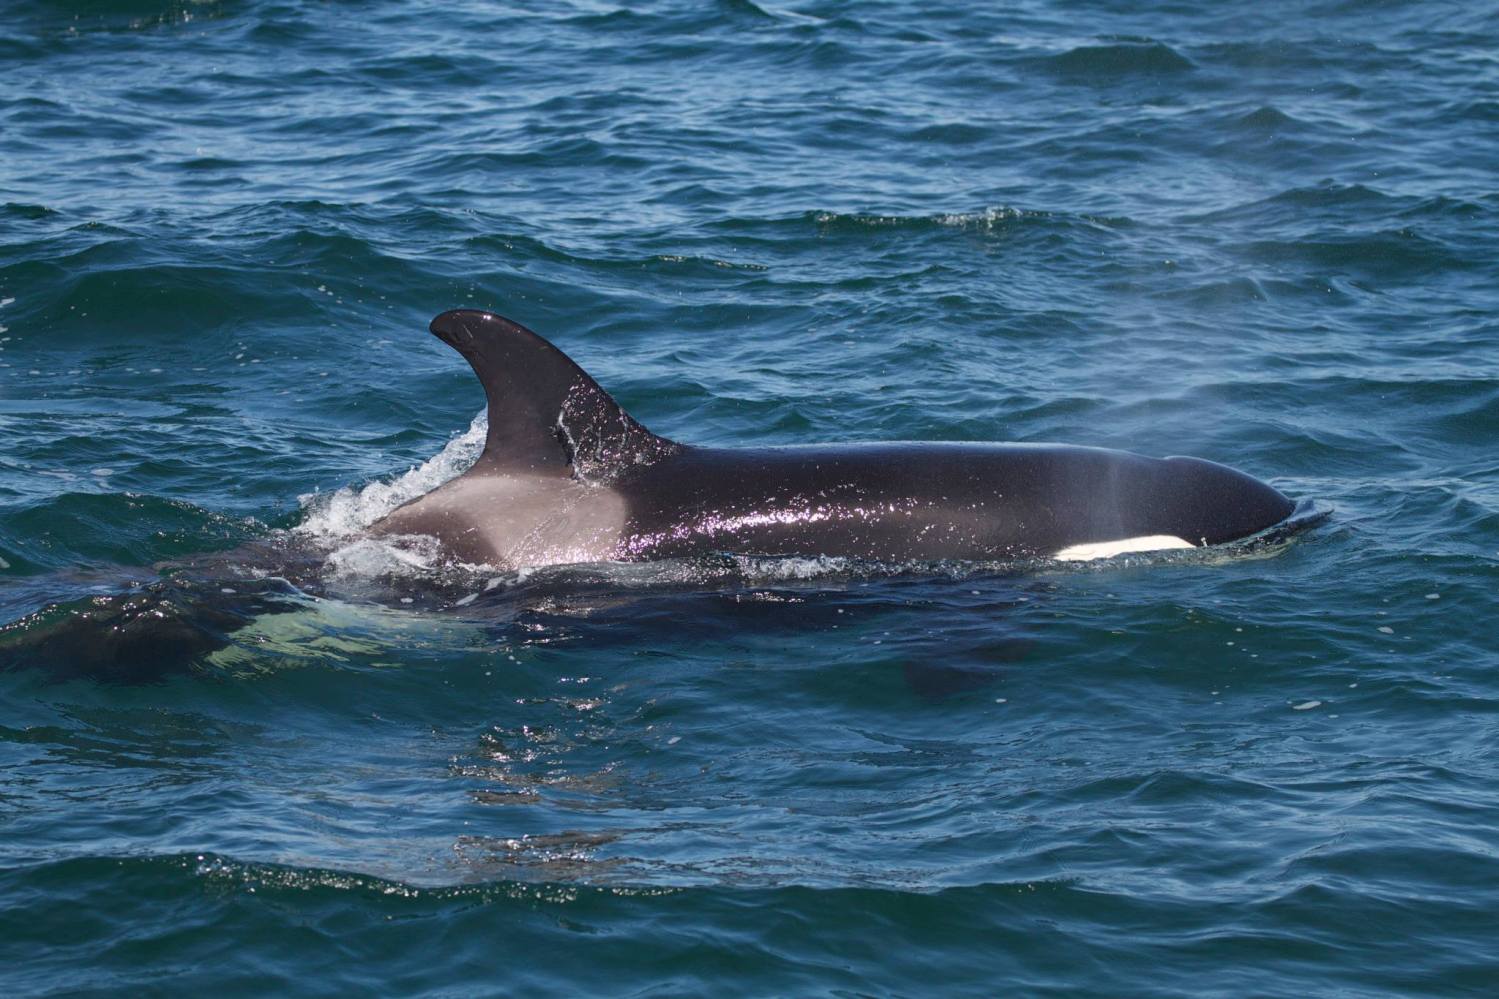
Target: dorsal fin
{"points": [[546, 415]]}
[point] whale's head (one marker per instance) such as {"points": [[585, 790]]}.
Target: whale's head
{"points": [[1207, 503]]}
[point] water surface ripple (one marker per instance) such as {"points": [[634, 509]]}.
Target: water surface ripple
{"points": [[1262, 234]]}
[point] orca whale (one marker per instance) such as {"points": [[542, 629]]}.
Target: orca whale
{"points": [[567, 476]]}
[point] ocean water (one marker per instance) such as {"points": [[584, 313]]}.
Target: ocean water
{"points": [[1263, 234]]}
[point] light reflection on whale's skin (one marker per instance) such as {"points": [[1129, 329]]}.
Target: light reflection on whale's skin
{"points": [[934, 501]]}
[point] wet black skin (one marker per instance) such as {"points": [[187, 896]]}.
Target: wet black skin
{"points": [[932, 501], [549, 421]]}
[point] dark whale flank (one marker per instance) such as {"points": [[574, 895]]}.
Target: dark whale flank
{"points": [[934, 501], [567, 475]]}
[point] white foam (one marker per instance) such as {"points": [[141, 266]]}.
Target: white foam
{"points": [[787, 567], [1125, 546], [989, 218], [348, 511], [396, 556]]}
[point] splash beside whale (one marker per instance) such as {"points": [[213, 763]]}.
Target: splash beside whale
{"points": [[567, 476]]}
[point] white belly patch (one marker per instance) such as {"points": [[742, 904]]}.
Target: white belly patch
{"points": [[1107, 549]]}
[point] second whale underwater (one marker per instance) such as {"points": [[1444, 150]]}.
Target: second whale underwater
{"points": [[567, 476]]}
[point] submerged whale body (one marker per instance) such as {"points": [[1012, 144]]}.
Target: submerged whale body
{"points": [[568, 476]]}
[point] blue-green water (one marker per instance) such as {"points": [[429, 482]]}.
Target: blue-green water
{"points": [[1262, 234]]}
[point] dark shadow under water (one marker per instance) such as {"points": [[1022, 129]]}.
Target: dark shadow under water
{"points": [[145, 630]]}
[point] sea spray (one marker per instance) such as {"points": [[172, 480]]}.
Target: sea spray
{"points": [[337, 515]]}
